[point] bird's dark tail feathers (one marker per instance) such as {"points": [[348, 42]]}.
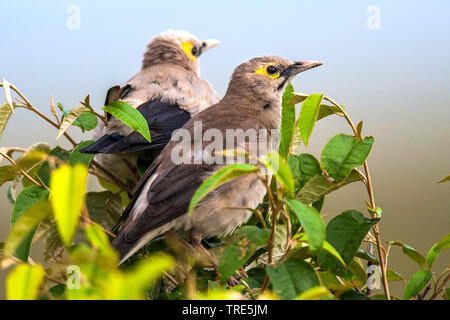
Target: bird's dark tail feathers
{"points": [[122, 246], [112, 143]]}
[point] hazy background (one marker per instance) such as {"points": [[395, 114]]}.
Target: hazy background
{"points": [[396, 78]]}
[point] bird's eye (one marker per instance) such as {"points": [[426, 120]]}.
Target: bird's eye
{"points": [[271, 70], [194, 51]]}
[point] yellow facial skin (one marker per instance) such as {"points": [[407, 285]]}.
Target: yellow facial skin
{"points": [[187, 47], [263, 70]]}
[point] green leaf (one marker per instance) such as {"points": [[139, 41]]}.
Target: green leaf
{"points": [[343, 153], [447, 178], [435, 250], [24, 227], [44, 170], [130, 116], [7, 173], [86, 120], [243, 245], [29, 160], [316, 293], [25, 200], [54, 246], [292, 277], [312, 223], [415, 255], [115, 189], [303, 237], [308, 116], [345, 233], [298, 97], [353, 295], [287, 121], [136, 280], [359, 277], [104, 208], [326, 110], [77, 157], [23, 282], [5, 114], [303, 167], [278, 166], [69, 119], [366, 256], [416, 283], [58, 290], [98, 238], [68, 185], [331, 250], [319, 186], [220, 177], [392, 275]]}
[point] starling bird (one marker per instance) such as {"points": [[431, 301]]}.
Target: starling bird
{"points": [[162, 196], [167, 91]]}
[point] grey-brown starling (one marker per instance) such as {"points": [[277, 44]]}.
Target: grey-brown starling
{"points": [[162, 197]]}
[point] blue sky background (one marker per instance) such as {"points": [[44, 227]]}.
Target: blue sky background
{"points": [[396, 78]]}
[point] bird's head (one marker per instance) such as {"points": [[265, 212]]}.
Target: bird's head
{"points": [[267, 77], [177, 47]]}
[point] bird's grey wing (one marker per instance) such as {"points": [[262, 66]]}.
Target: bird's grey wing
{"points": [[162, 119], [167, 198]]}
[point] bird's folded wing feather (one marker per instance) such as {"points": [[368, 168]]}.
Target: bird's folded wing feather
{"points": [[167, 198], [162, 119]]}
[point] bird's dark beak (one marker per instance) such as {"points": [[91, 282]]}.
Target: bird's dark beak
{"points": [[209, 44], [300, 66]]}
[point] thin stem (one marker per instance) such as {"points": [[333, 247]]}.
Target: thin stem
{"points": [[89, 221], [32, 108], [248, 289], [372, 203], [91, 110], [116, 180], [25, 174], [168, 276], [440, 288]]}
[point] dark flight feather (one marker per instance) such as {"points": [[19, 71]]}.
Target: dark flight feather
{"points": [[169, 197], [162, 119]]}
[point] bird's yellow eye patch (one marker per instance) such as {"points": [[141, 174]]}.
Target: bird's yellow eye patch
{"points": [[269, 70], [187, 47]]}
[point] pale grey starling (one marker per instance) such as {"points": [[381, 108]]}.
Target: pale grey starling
{"points": [[168, 91]]}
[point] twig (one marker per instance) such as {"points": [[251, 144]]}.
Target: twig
{"points": [[372, 203], [440, 288], [248, 288], [25, 174], [175, 282], [28, 104], [273, 227], [116, 180], [89, 221], [422, 295]]}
